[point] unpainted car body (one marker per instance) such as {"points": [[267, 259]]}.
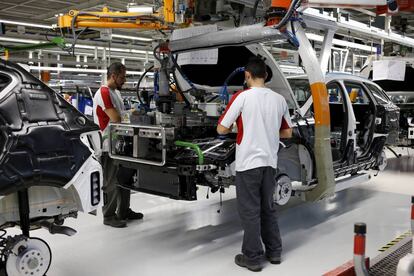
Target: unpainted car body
{"points": [[402, 94], [363, 120], [47, 153], [178, 170]]}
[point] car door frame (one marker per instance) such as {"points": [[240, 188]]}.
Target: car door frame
{"points": [[349, 132], [374, 103]]}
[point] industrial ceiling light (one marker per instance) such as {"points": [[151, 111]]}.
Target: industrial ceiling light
{"points": [[11, 39], [27, 24], [141, 9], [77, 70], [80, 46], [132, 37], [353, 45]]}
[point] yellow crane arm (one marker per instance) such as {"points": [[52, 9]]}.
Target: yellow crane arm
{"points": [[116, 20]]}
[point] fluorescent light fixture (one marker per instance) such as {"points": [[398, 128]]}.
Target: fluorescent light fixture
{"points": [[361, 28], [132, 37], [78, 70], [148, 10], [339, 42], [91, 55], [27, 24], [11, 39], [80, 46]]}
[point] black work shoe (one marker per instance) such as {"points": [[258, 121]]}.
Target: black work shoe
{"points": [[274, 259], [115, 222], [133, 215], [240, 260]]}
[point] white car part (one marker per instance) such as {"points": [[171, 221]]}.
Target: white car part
{"points": [[88, 185], [29, 256], [283, 190]]}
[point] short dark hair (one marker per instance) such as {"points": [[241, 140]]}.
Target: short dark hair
{"points": [[256, 67], [115, 68]]}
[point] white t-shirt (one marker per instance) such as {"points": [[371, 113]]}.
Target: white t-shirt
{"points": [[106, 98], [260, 114]]}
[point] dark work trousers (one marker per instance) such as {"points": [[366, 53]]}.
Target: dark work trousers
{"points": [[257, 212], [116, 199]]}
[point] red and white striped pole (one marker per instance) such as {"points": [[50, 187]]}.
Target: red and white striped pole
{"points": [[412, 221], [405, 266], [360, 229]]}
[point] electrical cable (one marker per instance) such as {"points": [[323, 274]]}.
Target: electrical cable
{"points": [[292, 8], [3, 233], [139, 83], [179, 90], [179, 69], [156, 87], [224, 93], [256, 4], [155, 53]]}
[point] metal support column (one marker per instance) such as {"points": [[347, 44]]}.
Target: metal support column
{"points": [[323, 154], [326, 50], [24, 211]]}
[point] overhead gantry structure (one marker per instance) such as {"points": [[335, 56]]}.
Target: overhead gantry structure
{"points": [[275, 26]]}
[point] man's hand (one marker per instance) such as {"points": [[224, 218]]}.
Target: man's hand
{"points": [[285, 133], [222, 130], [113, 115]]}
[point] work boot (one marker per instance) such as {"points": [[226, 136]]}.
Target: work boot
{"points": [[275, 259], [115, 222], [131, 215], [240, 260]]}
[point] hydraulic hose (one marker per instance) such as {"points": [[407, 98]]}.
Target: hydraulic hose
{"points": [[139, 83], [288, 14], [194, 147], [224, 94]]}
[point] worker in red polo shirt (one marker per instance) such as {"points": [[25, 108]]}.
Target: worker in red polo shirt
{"points": [[107, 107], [262, 118]]}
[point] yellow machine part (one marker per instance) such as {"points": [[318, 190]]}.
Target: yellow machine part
{"points": [[353, 95], [169, 15], [108, 19]]}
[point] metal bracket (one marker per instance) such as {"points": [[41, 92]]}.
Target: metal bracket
{"points": [[143, 131]]}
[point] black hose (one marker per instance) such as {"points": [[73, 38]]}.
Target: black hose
{"points": [[155, 53], [139, 83], [290, 11], [256, 4], [180, 91]]}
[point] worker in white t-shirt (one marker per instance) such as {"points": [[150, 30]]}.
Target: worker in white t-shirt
{"points": [[107, 107], [262, 118]]}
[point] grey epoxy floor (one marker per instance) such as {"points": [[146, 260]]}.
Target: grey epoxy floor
{"points": [[191, 238]]}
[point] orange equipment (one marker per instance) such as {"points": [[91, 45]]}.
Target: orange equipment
{"points": [[108, 19], [277, 10]]}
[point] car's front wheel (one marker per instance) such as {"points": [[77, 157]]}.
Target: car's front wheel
{"points": [[283, 189]]}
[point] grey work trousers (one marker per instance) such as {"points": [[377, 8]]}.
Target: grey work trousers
{"points": [[116, 199], [257, 212]]}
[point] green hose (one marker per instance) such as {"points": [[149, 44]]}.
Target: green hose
{"points": [[194, 147]]}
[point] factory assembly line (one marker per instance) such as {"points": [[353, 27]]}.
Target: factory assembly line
{"points": [[342, 124]]}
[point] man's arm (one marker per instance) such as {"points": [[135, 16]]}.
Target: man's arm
{"points": [[230, 115], [113, 115], [285, 131], [222, 130]]}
